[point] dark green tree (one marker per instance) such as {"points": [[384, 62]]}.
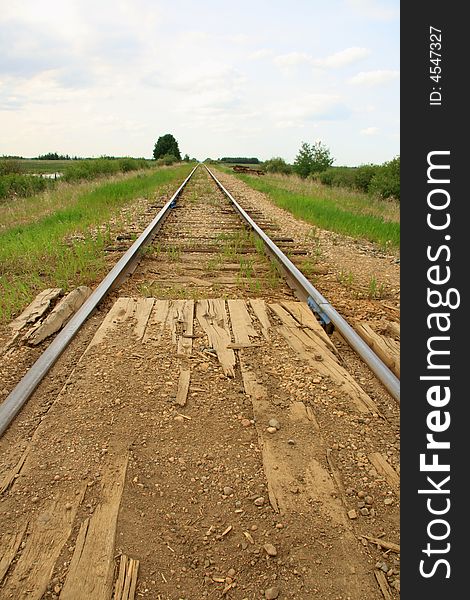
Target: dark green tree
{"points": [[321, 156], [312, 159], [186, 158], [303, 161], [166, 144]]}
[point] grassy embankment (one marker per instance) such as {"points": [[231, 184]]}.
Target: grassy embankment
{"points": [[57, 238], [335, 209]]}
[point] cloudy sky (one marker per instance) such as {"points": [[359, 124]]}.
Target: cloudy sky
{"points": [[89, 77]]}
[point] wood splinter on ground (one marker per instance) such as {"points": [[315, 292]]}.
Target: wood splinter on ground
{"points": [[127, 579], [183, 387]]}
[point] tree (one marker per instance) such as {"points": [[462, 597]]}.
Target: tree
{"points": [[303, 161], [312, 159], [186, 158], [166, 144], [322, 158]]}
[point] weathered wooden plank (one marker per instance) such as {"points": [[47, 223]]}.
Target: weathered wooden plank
{"points": [[212, 318], [90, 575], [36, 309], [306, 318], [157, 320], [13, 473], [383, 584], [142, 313], [59, 315], [184, 318], [9, 545], [49, 533], [121, 310], [387, 349], [241, 322], [383, 467], [316, 352], [183, 386], [259, 308], [297, 480]]}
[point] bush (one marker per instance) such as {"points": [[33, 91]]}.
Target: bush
{"points": [[363, 176], [386, 182], [91, 168], [9, 166], [337, 177], [167, 160], [277, 165], [13, 184]]}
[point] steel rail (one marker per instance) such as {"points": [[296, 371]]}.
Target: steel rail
{"points": [[26, 386], [383, 373]]}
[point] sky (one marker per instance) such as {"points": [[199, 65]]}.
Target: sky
{"points": [[108, 77]]}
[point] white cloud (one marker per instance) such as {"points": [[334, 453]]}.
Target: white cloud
{"points": [[342, 58], [374, 77], [292, 59], [369, 131], [307, 108], [372, 9], [261, 53], [339, 59]]}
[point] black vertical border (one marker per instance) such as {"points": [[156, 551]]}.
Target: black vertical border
{"points": [[424, 129]]}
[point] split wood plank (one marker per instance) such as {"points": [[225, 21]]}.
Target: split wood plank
{"points": [[383, 584], [122, 310], [212, 318], [9, 545], [383, 467], [91, 571], [383, 543], [259, 308], [184, 321], [157, 320], [49, 533], [143, 309], [283, 468], [387, 349], [319, 355], [36, 309], [183, 386], [306, 318], [13, 473], [59, 315], [127, 579], [242, 326]]}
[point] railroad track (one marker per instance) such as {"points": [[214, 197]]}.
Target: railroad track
{"points": [[210, 441]]}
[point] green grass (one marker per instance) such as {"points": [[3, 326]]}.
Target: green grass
{"points": [[45, 166], [335, 209], [64, 247]]}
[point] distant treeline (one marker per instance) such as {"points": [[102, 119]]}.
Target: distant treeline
{"points": [[56, 156], [241, 160]]}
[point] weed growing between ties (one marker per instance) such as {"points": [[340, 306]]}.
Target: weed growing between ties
{"points": [[65, 247]]}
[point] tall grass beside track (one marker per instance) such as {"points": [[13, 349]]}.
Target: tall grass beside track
{"points": [[57, 239], [340, 210]]}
